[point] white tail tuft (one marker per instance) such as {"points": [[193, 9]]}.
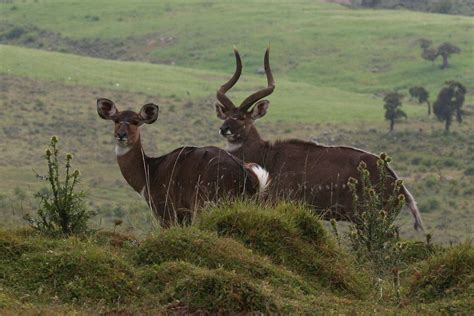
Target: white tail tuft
{"points": [[262, 175]]}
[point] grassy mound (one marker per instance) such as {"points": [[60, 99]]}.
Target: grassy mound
{"points": [[446, 275], [70, 270], [291, 236], [210, 290], [207, 250]]}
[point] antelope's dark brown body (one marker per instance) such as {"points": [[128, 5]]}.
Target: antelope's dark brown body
{"points": [[311, 173], [182, 180], [302, 171], [177, 184]]}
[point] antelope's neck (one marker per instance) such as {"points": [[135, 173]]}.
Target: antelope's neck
{"points": [[132, 164], [251, 150]]}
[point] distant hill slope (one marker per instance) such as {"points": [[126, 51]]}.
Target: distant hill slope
{"points": [[310, 103], [323, 44]]}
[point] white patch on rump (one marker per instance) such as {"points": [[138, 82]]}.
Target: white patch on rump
{"points": [[120, 151], [262, 175]]}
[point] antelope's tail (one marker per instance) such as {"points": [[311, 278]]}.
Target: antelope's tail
{"points": [[262, 176], [411, 203], [413, 208]]}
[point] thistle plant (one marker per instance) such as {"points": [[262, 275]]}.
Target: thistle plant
{"points": [[61, 209], [374, 234]]}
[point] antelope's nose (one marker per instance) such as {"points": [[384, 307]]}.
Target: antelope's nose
{"points": [[121, 135], [224, 130]]}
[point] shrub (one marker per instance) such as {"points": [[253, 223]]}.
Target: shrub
{"points": [[374, 234], [430, 205], [62, 210], [469, 171]]}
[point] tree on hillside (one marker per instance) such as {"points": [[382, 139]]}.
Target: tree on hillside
{"points": [[449, 102], [446, 50], [422, 95], [392, 108], [429, 54]]}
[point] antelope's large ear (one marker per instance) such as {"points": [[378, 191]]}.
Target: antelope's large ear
{"points": [[260, 109], [149, 113], [106, 109], [220, 111]]}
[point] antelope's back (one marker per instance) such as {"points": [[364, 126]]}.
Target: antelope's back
{"points": [[206, 173]]}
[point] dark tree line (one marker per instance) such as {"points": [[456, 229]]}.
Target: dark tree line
{"points": [[447, 106]]}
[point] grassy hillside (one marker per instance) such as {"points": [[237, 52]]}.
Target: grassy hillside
{"points": [[180, 84], [318, 43]]}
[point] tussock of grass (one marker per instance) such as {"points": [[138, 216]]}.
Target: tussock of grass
{"points": [[210, 290], [7, 300], [11, 247], [445, 275], [108, 238], [71, 270], [291, 236], [415, 251]]}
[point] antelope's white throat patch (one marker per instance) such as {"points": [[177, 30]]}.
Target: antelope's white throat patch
{"points": [[233, 146], [121, 150]]}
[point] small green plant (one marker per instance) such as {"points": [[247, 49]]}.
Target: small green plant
{"points": [[374, 234], [61, 210]]}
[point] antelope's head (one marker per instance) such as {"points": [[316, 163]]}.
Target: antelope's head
{"points": [[127, 123], [238, 121]]}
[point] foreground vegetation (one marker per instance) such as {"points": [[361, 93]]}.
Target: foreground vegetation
{"points": [[235, 258]]}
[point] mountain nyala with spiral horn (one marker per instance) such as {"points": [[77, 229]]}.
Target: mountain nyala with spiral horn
{"points": [[303, 171]]}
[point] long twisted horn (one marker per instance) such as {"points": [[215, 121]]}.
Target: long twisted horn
{"points": [[247, 103], [229, 84]]}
